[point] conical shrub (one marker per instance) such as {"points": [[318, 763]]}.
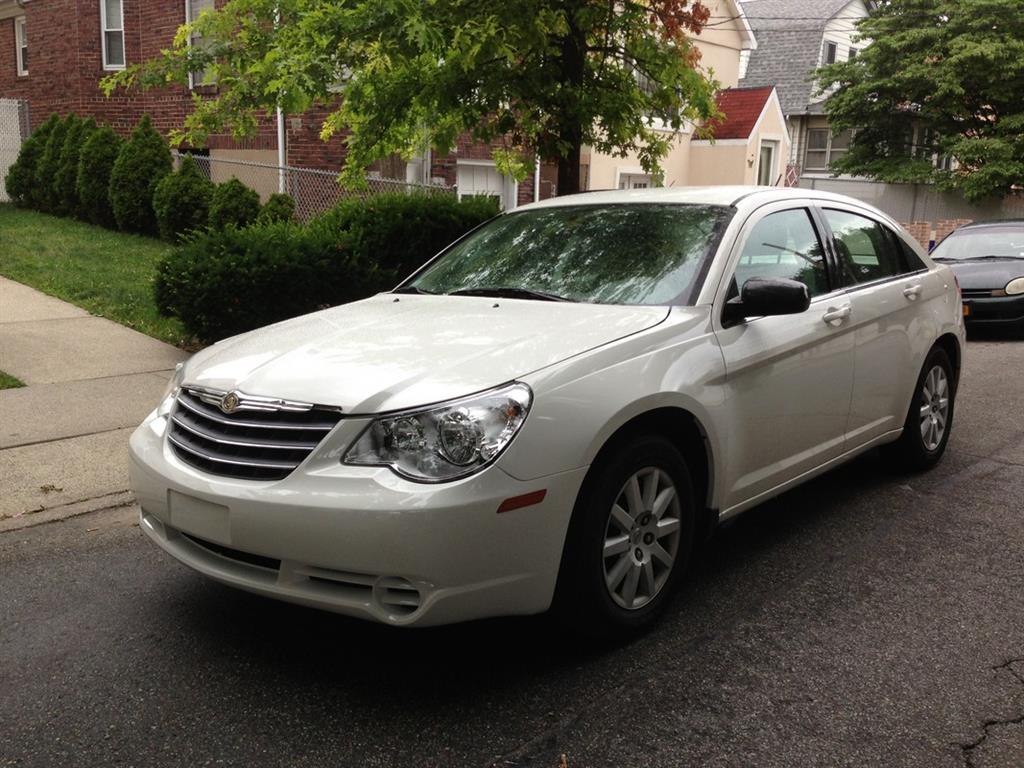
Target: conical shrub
{"points": [[44, 194], [95, 164], [182, 201], [143, 161], [66, 183], [21, 177]]}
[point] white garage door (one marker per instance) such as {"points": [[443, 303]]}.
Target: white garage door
{"points": [[480, 179]]}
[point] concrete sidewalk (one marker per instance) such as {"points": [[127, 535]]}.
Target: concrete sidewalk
{"points": [[89, 382]]}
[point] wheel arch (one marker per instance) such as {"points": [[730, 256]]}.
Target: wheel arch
{"points": [[688, 433], [950, 344]]}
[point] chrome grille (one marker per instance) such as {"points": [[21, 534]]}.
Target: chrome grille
{"points": [[260, 439], [976, 293]]}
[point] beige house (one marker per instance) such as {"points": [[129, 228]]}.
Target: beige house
{"points": [[752, 142]]}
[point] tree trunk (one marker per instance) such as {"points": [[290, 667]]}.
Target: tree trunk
{"points": [[569, 172], [574, 46]]}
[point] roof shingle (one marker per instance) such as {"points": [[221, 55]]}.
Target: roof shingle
{"points": [[741, 107]]}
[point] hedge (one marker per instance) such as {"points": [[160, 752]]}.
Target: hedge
{"points": [[143, 161], [99, 153], [223, 282], [21, 177], [233, 205], [400, 231], [182, 201]]}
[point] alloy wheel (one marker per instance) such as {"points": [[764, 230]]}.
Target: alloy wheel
{"points": [[641, 538], [934, 407]]}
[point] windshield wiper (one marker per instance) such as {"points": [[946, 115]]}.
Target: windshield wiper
{"points": [[508, 292], [414, 289]]}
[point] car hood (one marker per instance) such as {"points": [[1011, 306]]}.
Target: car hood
{"points": [[986, 275], [393, 352]]}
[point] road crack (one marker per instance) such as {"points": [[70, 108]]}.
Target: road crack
{"points": [[986, 727]]}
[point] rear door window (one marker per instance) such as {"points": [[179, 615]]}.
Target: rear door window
{"points": [[865, 250]]}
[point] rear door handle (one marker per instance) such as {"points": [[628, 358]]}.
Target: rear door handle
{"points": [[836, 315], [912, 291]]}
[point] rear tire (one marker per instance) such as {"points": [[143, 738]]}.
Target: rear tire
{"points": [[629, 541], [930, 418]]}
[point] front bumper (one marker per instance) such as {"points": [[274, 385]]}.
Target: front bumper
{"points": [[359, 540], [995, 310]]}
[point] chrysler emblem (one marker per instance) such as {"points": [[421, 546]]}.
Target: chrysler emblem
{"points": [[229, 403]]}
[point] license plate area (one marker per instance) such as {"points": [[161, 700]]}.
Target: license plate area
{"points": [[199, 517]]}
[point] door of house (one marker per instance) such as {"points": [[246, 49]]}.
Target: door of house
{"points": [[766, 164]]}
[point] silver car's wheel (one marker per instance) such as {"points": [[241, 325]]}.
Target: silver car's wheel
{"points": [[641, 538], [934, 407]]}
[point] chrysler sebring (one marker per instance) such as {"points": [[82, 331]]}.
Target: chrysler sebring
{"points": [[554, 411]]}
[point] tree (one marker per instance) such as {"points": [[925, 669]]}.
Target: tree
{"points": [[940, 78], [142, 162], [44, 193], [66, 182], [533, 76]]}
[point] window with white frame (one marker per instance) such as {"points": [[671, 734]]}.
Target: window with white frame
{"points": [[21, 45], [823, 148], [112, 26], [193, 8]]}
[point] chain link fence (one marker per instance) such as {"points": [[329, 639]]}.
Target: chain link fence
{"points": [[314, 191], [14, 129]]}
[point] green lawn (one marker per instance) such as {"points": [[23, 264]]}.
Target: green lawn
{"points": [[107, 273], [9, 382]]}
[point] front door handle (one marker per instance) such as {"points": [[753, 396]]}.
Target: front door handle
{"points": [[912, 291], [836, 315]]}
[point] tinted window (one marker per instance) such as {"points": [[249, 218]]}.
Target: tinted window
{"points": [[605, 254], [784, 245], [911, 261], [865, 251]]}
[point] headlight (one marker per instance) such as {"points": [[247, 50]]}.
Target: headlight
{"points": [[171, 391], [446, 441], [1015, 286]]}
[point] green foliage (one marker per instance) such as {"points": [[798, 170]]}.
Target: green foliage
{"points": [[223, 282], [44, 193], [21, 178], [68, 203], [182, 201], [541, 77], [401, 232], [279, 207], [940, 78], [142, 162], [95, 164], [233, 205]]}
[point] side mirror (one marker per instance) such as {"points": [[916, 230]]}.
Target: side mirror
{"points": [[760, 297]]}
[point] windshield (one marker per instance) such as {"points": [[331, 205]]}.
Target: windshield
{"points": [[603, 254], [1005, 241]]}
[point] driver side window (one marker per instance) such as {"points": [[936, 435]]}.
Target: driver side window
{"points": [[783, 245]]}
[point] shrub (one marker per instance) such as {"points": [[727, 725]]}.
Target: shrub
{"points": [[143, 161], [223, 282], [44, 193], [182, 201], [401, 232], [66, 183], [233, 205], [99, 152], [279, 207], [21, 178]]}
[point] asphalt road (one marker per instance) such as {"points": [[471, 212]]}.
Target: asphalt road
{"points": [[866, 619]]}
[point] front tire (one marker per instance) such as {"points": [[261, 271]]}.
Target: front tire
{"points": [[629, 541], [930, 418]]}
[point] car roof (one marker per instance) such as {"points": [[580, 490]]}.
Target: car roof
{"points": [[716, 195]]}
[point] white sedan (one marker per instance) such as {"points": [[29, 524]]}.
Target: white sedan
{"points": [[556, 409]]}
